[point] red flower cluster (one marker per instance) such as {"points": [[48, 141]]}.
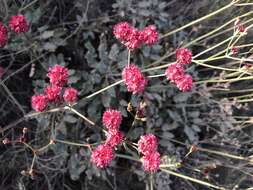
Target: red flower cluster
{"points": [[58, 76], [102, 155], [151, 162], [134, 79], [147, 145], [114, 138], [3, 35], [149, 35], [70, 95], [132, 38], [112, 119], [53, 93], [184, 83], [18, 24], [175, 72], [39, 102], [184, 56]]}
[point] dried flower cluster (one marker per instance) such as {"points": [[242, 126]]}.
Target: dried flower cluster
{"points": [[175, 72], [58, 76], [17, 24], [133, 38], [147, 145]]}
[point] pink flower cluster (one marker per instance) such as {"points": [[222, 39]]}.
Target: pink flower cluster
{"points": [[134, 79], [175, 72], [58, 76], [17, 24], [104, 154], [112, 120], [133, 38], [147, 145], [239, 27]]}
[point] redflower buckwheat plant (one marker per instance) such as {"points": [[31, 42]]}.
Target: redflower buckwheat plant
{"points": [[154, 111]]}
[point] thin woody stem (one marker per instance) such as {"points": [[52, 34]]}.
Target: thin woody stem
{"points": [[79, 114], [200, 19], [74, 144], [192, 179]]}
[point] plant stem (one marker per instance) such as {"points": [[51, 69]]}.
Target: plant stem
{"points": [[200, 19], [72, 143], [102, 90], [79, 114], [192, 179]]}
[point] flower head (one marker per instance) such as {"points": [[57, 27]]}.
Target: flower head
{"points": [[114, 138], [150, 35], [53, 93], [134, 79], [184, 56], [184, 83], [147, 144], [18, 24], [174, 72], [112, 119], [102, 155], [3, 35], [58, 75], [122, 30], [39, 102], [70, 95], [134, 39], [151, 162]]}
